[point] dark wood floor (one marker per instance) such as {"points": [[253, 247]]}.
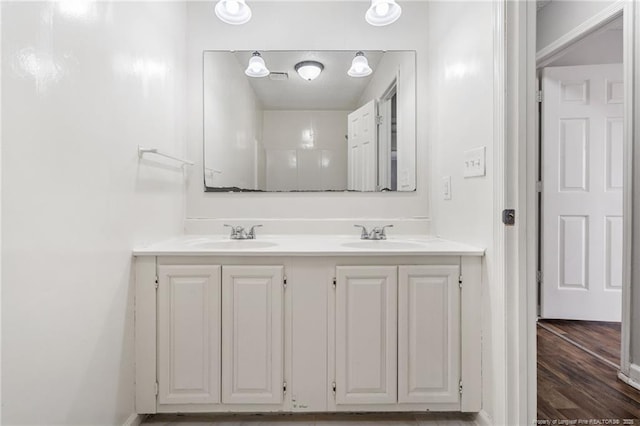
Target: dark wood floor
{"points": [[576, 385], [603, 338]]}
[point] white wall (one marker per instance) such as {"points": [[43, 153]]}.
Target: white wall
{"points": [[460, 118], [306, 150], [601, 48], [561, 16], [400, 66], [232, 124], [83, 83], [316, 25]]}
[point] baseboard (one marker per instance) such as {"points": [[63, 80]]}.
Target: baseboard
{"points": [[633, 379], [634, 372], [134, 420], [483, 419]]}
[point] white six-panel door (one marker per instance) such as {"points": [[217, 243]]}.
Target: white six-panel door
{"points": [[363, 148], [252, 335], [582, 122], [188, 334], [366, 331], [428, 334]]}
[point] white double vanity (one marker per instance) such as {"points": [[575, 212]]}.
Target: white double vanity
{"points": [[313, 323]]}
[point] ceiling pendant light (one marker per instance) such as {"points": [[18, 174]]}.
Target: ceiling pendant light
{"points": [[257, 67], [235, 12], [383, 12], [309, 70], [359, 66]]}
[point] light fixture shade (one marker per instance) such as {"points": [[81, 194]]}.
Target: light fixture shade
{"points": [[235, 12], [309, 70], [257, 67], [359, 66], [383, 12]]}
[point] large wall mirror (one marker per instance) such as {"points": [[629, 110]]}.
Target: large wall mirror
{"points": [[284, 127]]}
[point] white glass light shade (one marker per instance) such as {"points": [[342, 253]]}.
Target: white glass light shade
{"points": [[309, 70], [359, 66], [257, 67], [383, 12], [235, 12]]}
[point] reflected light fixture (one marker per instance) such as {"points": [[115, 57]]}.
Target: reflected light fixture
{"points": [[383, 12], [309, 70], [359, 66], [256, 67], [235, 12]]}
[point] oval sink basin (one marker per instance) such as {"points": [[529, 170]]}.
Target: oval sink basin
{"points": [[235, 244], [383, 245]]}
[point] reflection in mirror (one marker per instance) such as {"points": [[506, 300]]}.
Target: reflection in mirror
{"points": [[307, 125]]}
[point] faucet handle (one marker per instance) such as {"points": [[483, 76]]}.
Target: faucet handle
{"points": [[364, 235], [252, 234], [383, 235], [235, 230]]}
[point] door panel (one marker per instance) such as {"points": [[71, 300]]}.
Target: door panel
{"points": [[428, 334], [582, 192], [363, 148], [188, 334], [252, 335], [366, 330]]}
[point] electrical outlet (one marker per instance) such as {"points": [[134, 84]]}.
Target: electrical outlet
{"points": [[474, 162]]}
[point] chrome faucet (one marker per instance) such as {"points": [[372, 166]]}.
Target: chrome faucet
{"points": [[239, 233], [376, 233]]}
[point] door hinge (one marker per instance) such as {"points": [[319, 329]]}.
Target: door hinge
{"points": [[538, 277], [284, 281], [539, 186], [509, 217], [333, 386], [379, 119], [156, 283], [539, 96], [335, 282], [284, 387], [460, 387], [460, 281], [157, 388]]}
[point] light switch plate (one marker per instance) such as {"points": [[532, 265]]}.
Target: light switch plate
{"points": [[474, 162], [446, 187]]}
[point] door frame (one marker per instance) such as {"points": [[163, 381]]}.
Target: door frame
{"points": [[515, 113], [522, 127], [384, 172]]}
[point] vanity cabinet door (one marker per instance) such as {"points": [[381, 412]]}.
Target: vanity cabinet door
{"points": [[188, 334], [252, 334], [428, 334], [366, 326]]}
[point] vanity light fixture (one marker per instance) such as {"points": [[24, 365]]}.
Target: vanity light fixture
{"points": [[359, 66], [383, 12], [257, 67], [235, 12], [309, 70]]}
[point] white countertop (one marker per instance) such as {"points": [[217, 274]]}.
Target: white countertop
{"points": [[307, 245]]}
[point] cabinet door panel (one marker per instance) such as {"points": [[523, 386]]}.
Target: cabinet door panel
{"points": [[252, 335], [366, 334], [428, 334], [188, 334]]}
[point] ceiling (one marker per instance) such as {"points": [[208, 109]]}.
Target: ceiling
{"points": [[332, 90]]}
